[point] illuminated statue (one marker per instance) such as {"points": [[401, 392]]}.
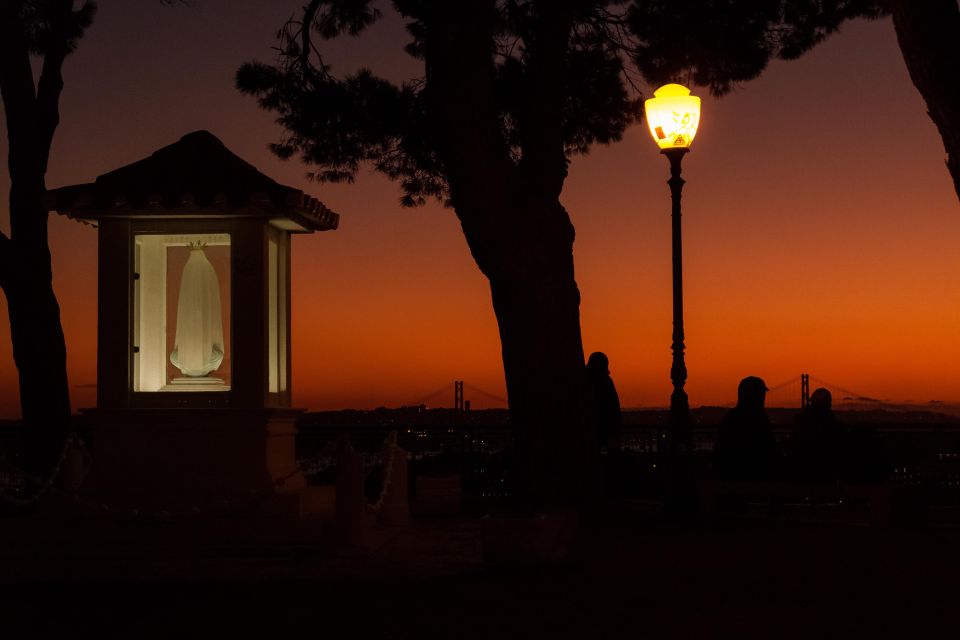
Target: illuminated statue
{"points": [[198, 349]]}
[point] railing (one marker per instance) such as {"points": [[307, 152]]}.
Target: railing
{"points": [[924, 456], [480, 455]]}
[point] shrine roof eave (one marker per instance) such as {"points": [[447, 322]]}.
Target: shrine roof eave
{"points": [[195, 177], [293, 211]]}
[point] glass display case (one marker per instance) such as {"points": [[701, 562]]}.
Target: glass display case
{"points": [[181, 313]]}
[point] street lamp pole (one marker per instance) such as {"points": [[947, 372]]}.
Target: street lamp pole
{"points": [[673, 116], [679, 420]]}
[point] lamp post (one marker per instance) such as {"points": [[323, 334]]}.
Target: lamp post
{"points": [[673, 116]]}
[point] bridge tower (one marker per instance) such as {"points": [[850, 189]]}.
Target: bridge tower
{"points": [[804, 390]]}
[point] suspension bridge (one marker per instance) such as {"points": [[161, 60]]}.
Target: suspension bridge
{"points": [[795, 392], [792, 393], [479, 398]]}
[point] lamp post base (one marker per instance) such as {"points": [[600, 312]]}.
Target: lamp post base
{"points": [[679, 424]]}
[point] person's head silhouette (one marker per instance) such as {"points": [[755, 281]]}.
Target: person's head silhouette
{"points": [[751, 393], [598, 364], [821, 400]]}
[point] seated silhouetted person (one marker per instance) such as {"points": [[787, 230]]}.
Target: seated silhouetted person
{"points": [[745, 447], [606, 402], [819, 443]]}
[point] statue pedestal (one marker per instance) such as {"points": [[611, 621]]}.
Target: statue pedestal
{"points": [[204, 383], [181, 460]]}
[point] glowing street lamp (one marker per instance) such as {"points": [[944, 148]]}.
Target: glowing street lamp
{"points": [[673, 116]]}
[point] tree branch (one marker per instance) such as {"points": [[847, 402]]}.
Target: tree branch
{"points": [[50, 84], [928, 33], [7, 262], [544, 165], [17, 90], [25, 161], [306, 44], [461, 88]]}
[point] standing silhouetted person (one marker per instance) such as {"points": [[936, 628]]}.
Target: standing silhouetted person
{"points": [[745, 448], [817, 448], [606, 402]]}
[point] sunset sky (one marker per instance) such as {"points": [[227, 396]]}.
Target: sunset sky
{"points": [[821, 230]]}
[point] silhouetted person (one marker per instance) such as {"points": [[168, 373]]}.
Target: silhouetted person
{"points": [[822, 449], [746, 448], [606, 402], [818, 446]]}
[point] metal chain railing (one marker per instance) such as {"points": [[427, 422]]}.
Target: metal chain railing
{"points": [[43, 485], [390, 450]]}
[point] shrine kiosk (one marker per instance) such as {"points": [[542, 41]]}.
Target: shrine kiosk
{"points": [[193, 344]]}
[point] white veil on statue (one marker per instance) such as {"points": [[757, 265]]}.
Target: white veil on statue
{"points": [[198, 346]]}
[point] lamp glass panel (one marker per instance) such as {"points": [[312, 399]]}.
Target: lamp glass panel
{"points": [[673, 116], [181, 316]]}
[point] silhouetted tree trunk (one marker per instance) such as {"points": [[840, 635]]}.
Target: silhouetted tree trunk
{"points": [[929, 35], [32, 116], [520, 236]]}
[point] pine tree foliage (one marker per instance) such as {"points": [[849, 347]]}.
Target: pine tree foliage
{"points": [[337, 123]]}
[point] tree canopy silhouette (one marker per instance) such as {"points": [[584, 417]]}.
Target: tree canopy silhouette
{"points": [[928, 34], [511, 91]]}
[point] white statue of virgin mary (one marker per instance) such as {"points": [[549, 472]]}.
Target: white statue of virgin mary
{"points": [[198, 346]]}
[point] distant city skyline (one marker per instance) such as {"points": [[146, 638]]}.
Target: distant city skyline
{"points": [[820, 226]]}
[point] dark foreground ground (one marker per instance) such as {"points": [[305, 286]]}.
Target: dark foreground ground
{"points": [[796, 575]]}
